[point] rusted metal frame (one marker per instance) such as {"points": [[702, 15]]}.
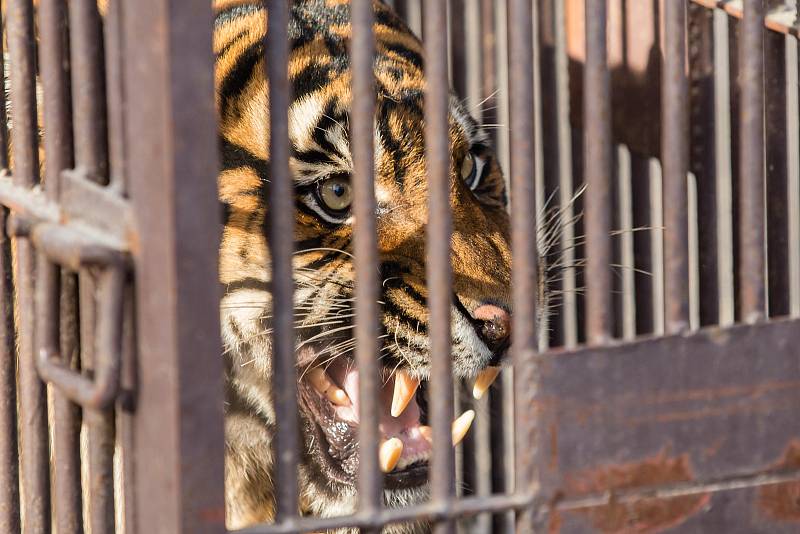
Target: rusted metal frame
{"points": [[433, 511], [752, 299], [172, 160], [597, 126], [35, 471], [781, 19], [777, 179], [279, 226], [9, 451], [365, 247], [656, 406], [523, 245], [675, 164], [438, 253], [51, 298], [116, 96]]}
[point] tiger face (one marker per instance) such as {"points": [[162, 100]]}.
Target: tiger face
{"points": [[321, 165]]}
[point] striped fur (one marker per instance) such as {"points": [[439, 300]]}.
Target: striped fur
{"points": [[319, 132]]}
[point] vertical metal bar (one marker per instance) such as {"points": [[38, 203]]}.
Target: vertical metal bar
{"points": [[9, 452], [793, 165], [365, 246], [116, 95], [281, 245], [89, 103], [627, 323], [171, 149], [458, 45], [675, 163], [751, 164], [438, 268], [523, 226], [724, 171], [91, 156], [58, 154], [35, 473], [597, 113]]}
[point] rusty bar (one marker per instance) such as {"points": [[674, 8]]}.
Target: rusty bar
{"points": [[433, 511], [438, 268], [523, 227], [171, 149], [597, 125], [458, 46], [58, 153], [752, 298], [365, 248], [9, 452], [86, 47], [280, 231], [35, 472], [116, 95], [675, 164]]}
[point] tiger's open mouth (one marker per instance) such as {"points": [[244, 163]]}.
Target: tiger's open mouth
{"points": [[329, 395]]}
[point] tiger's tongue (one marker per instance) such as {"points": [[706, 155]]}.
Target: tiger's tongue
{"points": [[406, 426]]}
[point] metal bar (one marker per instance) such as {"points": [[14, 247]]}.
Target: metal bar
{"points": [[458, 45], [9, 452], [597, 114], [793, 165], [171, 149], [675, 164], [116, 95], [51, 306], [280, 232], [365, 247], [89, 103], [781, 20], [433, 511], [35, 472], [523, 227], [751, 164], [438, 268]]}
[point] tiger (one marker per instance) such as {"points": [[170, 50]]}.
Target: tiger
{"points": [[321, 165]]}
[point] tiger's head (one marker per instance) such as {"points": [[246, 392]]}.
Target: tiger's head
{"points": [[321, 164]]}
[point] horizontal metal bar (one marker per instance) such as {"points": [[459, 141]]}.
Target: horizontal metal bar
{"points": [[778, 20], [72, 248], [431, 512]]}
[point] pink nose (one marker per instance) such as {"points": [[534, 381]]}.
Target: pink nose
{"points": [[496, 325]]}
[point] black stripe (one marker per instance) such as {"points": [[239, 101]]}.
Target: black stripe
{"points": [[239, 76]]}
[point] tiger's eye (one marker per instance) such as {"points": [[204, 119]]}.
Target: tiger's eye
{"points": [[468, 167], [336, 193]]}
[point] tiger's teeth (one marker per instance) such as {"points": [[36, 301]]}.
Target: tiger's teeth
{"points": [[389, 454], [337, 396], [404, 388], [484, 380], [427, 433], [319, 379], [461, 426], [322, 383]]}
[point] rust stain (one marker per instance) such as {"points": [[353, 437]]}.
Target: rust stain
{"points": [[781, 502], [647, 514]]}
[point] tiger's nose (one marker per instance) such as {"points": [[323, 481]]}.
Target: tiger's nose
{"points": [[494, 327]]}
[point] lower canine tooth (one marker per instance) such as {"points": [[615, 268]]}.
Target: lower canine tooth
{"points": [[427, 433], [484, 380], [389, 454], [461, 426], [337, 396]]}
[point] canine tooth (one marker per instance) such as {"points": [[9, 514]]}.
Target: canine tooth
{"points": [[337, 396], [484, 380], [427, 433], [389, 454], [461, 426], [319, 379], [404, 388]]}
